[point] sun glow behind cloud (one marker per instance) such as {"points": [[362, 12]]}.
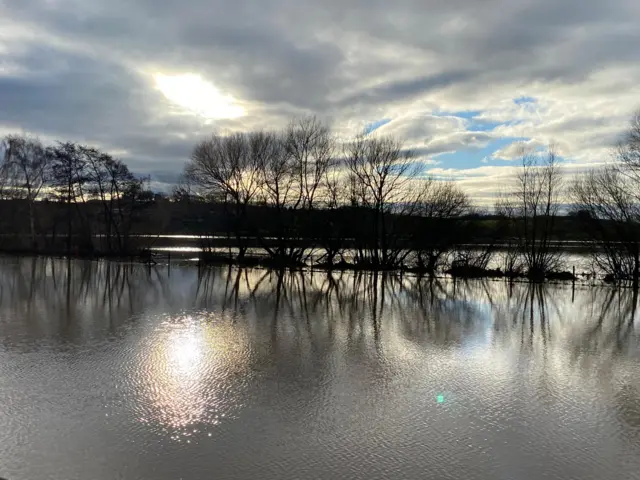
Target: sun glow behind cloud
{"points": [[192, 92]]}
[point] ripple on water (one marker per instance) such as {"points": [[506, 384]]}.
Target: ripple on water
{"points": [[187, 376], [437, 384]]}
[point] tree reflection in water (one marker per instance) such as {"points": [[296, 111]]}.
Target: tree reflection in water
{"points": [[294, 319], [73, 299]]}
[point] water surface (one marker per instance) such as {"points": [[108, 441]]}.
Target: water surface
{"points": [[116, 371]]}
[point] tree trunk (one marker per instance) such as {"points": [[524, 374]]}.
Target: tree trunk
{"points": [[32, 225]]}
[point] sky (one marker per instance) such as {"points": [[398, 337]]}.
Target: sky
{"points": [[461, 82]]}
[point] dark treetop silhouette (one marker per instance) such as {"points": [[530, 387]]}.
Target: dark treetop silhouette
{"points": [[301, 196]]}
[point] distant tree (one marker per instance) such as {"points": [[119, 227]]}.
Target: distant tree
{"points": [[295, 175], [311, 148], [123, 197], [628, 151], [507, 223], [380, 172], [612, 221], [83, 174], [183, 191], [68, 186], [283, 192], [441, 208], [229, 169], [24, 171], [332, 230], [532, 207], [607, 203]]}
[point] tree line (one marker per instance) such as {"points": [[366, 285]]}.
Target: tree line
{"points": [[94, 199], [368, 203], [363, 203], [303, 196]]}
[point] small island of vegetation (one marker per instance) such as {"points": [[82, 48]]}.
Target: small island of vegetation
{"points": [[302, 197]]}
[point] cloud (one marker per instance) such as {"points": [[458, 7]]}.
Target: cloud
{"points": [[564, 72], [486, 183], [517, 149]]}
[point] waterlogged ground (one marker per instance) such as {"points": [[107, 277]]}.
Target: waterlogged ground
{"points": [[113, 371]]}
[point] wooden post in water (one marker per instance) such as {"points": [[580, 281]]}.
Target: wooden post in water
{"points": [[573, 285]]}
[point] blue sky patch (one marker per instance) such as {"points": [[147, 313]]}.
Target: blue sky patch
{"points": [[473, 124], [466, 114], [373, 126], [524, 100], [472, 157]]}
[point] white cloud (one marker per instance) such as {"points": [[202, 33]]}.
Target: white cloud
{"points": [[485, 183], [83, 70], [516, 150]]}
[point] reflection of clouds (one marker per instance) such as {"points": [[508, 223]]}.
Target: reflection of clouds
{"points": [[186, 371], [188, 374]]}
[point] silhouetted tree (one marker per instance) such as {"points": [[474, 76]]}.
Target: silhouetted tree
{"points": [[229, 169], [284, 193], [331, 229], [311, 147], [380, 172], [84, 174], [607, 203], [23, 172], [68, 186], [122, 196], [440, 208], [532, 208], [294, 166]]}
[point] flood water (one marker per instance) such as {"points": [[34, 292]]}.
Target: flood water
{"points": [[116, 371]]}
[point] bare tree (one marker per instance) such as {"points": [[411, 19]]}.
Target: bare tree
{"points": [[534, 205], [183, 191], [122, 195], [311, 147], [607, 203], [628, 152], [82, 174], [4, 180], [68, 184], [331, 229], [380, 171], [507, 225], [440, 208], [284, 192], [293, 170], [24, 172], [229, 168]]}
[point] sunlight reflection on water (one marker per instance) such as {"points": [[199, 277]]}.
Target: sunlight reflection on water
{"points": [[186, 374], [116, 370]]}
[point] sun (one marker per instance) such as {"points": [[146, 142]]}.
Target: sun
{"points": [[192, 92]]}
